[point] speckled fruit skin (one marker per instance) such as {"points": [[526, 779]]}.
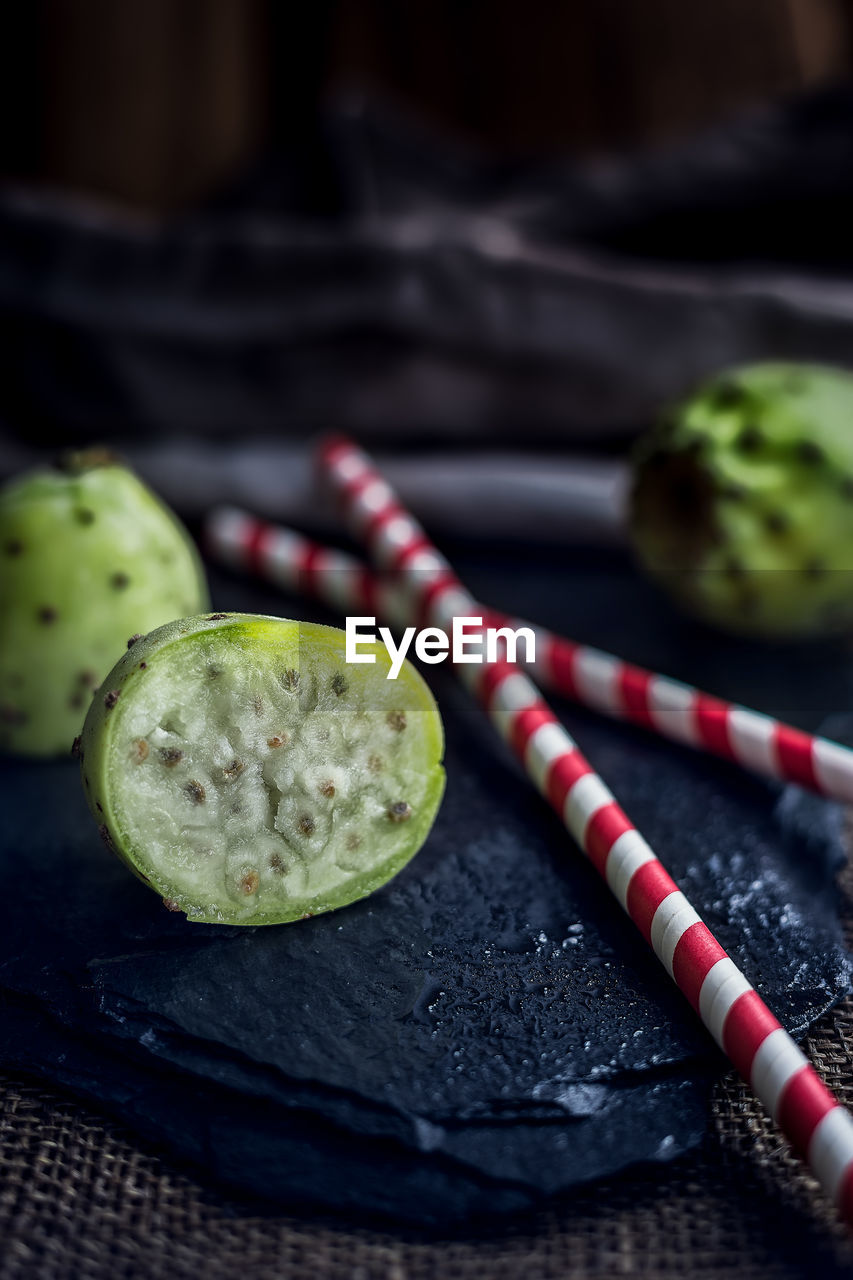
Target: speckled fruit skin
{"points": [[742, 503], [88, 557], [265, 633]]}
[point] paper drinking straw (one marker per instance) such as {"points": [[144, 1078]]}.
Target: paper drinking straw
{"points": [[767, 1057], [590, 676]]}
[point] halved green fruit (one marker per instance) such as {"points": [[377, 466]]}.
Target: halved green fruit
{"points": [[250, 775]]}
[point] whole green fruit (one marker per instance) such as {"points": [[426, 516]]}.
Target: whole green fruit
{"points": [[88, 557], [742, 503], [249, 775]]}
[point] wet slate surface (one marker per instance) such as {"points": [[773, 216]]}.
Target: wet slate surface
{"points": [[487, 1029]]}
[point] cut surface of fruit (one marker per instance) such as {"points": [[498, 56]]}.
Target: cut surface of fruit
{"points": [[251, 776]]}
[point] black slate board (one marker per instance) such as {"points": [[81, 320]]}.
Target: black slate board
{"points": [[485, 1031]]}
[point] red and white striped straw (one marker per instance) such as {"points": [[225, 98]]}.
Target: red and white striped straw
{"points": [[768, 1058], [590, 676]]}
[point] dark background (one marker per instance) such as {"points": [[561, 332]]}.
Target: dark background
{"points": [[431, 225], [154, 103]]}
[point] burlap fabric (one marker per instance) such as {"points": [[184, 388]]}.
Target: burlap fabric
{"points": [[81, 1198]]}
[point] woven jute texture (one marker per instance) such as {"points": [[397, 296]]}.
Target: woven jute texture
{"points": [[81, 1198]]}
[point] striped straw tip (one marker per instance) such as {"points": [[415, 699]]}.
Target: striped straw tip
{"points": [[331, 446]]}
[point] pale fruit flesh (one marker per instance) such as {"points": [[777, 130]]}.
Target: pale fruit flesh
{"points": [[251, 776]]}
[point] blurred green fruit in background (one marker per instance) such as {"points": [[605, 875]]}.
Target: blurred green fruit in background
{"points": [[742, 502]]}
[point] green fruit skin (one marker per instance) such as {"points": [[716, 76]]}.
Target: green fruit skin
{"points": [[742, 501], [259, 631], [86, 561]]}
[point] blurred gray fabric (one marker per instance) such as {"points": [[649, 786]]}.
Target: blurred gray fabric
{"points": [[432, 296], [539, 498]]}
